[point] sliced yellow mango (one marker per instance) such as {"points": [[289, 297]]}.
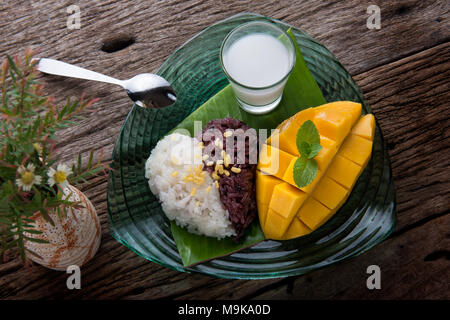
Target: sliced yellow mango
{"points": [[264, 187], [329, 192], [329, 149], [335, 186], [262, 213], [296, 229], [314, 214], [365, 127], [348, 108], [289, 178], [289, 174], [274, 161], [323, 159], [286, 211], [356, 149], [332, 124], [343, 171], [286, 200], [275, 225], [334, 120], [288, 129]]}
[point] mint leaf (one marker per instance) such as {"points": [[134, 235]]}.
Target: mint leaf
{"points": [[304, 148], [307, 133], [314, 150], [308, 145], [309, 151], [305, 171]]}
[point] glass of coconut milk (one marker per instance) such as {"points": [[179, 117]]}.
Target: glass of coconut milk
{"points": [[257, 58]]}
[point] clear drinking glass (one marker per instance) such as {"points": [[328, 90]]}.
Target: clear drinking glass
{"points": [[257, 58]]}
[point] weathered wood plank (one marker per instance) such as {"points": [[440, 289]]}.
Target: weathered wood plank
{"points": [[407, 26], [409, 96]]}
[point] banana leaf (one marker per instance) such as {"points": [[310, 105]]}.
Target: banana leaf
{"points": [[301, 92]]}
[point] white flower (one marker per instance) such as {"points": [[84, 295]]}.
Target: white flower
{"points": [[27, 177], [59, 175]]}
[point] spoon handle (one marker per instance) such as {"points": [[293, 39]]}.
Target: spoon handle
{"points": [[60, 68]]}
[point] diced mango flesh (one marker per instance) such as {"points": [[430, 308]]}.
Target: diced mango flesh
{"points": [[274, 161], [334, 188], [343, 171], [275, 225], [289, 178], [365, 127], [262, 213], [329, 192], [286, 200], [313, 213], [296, 229], [348, 108], [288, 129], [356, 149], [293, 212], [332, 124], [264, 186], [324, 157]]}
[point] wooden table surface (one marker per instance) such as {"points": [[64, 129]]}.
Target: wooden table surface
{"points": [[403, 70]]}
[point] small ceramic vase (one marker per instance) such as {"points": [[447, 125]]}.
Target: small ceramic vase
{"points": [[73, 240]]}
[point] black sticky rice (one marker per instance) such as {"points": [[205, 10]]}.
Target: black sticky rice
{"points": [[237, 191]]}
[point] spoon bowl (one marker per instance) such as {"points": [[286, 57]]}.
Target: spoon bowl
{"points": [[151, 88], [145, 89]]}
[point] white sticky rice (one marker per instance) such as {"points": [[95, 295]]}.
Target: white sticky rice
{"points": [[201, 213]]}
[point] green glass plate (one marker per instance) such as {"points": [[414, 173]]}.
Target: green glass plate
{"points": [[136, 218]]}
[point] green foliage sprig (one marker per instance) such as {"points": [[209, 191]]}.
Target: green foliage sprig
{"points": [[308, 145], [31, 178]]}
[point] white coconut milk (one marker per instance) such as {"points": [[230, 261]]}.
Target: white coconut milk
{"points": [[258, 61]]}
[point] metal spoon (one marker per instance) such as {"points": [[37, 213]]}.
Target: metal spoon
{"points": [[145, 89]]}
